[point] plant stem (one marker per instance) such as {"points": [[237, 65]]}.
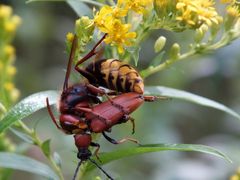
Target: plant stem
{"points": [[151, 70], [38, 142], [200, 48]]}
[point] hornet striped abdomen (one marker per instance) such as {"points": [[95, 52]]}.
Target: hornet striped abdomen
{"points": [[115, 75]]}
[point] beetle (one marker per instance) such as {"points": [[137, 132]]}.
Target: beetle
{"points": [[111, 73], [73, 122], [73, 103]]}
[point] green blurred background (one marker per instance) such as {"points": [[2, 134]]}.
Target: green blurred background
{"points": [[41, 60]]}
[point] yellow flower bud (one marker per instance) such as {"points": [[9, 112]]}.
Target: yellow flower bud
{"points": [[9, 50], [15, 93], [5, 11], [98, 178], [163, 7], [234, 177], [174, 51], [85, 20], [16, 20], [233, 11], [1, 65], [11, 70], [10, 27], [226, 1], [9, 86], [70, 37], [200, 33], [77, 22], [159, 44]]}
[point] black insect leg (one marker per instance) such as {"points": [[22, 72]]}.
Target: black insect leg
{"points": [[113, 141], [93, 144]]}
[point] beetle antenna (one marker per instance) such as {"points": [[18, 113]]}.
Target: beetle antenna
{"points": [[99, 167], [70, 60], [77, 169], [92, 52], [51, 114]]}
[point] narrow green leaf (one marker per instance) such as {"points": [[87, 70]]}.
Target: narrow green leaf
{"points": [[2, 108], [22, 135], [134, 52], [180, 94], [15, 161], [46, 147], [135, 55], [157, 60], [111, 156], [77, 5], [27, 107], [30, 1], [80, 8], [57, 159]]}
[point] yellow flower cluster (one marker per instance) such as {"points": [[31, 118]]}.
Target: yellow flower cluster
{"points": [[8, 92], [226, 1], [8, 25], [110, 20], [194, 13], [139, 6], [233, 8], [236, 176]]}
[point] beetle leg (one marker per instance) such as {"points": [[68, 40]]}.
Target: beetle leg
{"points": [[97, 149], [133, 124], [113, 141]]}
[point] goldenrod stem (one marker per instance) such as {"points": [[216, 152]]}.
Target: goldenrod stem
{"points": [[38, 142]]}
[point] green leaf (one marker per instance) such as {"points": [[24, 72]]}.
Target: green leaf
{"points": [[157, 60], [46, 147], [22, 136], [111, 156], [15, 161], [134, 53], [30, 1], [27, 107], [180, 94], [80, 8], [57, 159], [2, 108]]}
